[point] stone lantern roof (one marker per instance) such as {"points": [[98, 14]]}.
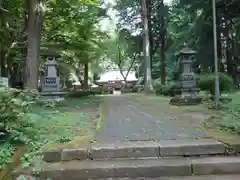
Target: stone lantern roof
{"points": [[185, 51], [49, 51]]}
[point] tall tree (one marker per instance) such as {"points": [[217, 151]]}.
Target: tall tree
{"points": [[36, 12], [148, 87], [124, 50]]}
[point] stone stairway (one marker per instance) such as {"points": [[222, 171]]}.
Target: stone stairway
{"points": [[204, 159]]}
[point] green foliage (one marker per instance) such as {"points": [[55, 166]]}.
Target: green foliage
{"points": [[13, 106], [123, 50], [165, 90], [206, 82], [24, 177], [75, 34], [15, 130]]}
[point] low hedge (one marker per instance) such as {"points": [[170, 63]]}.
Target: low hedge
{"points": [[83, 93], [206, 82]]}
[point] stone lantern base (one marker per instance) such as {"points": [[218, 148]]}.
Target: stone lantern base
{"points": [[185, 100]]}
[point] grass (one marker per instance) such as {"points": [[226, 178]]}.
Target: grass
{"points": [[74, 117], [58, 124], [227, 118]]}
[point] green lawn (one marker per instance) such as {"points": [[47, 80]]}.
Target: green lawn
{"points": [[72, 117], [226, 119]]}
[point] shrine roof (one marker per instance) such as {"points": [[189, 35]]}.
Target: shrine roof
{"points": [[116, 75]]}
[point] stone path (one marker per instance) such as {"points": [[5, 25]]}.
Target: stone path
{"points": [[126, 121]]}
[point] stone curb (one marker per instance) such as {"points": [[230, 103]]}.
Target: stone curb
{"points": [[216, 165], [77, 170], [52, 155], [138, 149]]}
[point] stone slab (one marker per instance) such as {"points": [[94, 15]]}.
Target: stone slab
{"points": [[74, 154], [202, 177], [153, 168], [216, 165], [185, 100], [149, 168], [78, 170], [137, 149], [52, 155], [190, 147]]}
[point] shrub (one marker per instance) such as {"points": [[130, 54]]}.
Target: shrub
{"points": [[13, 105], [206, 82], [165, 90], [136, 88], [83, 93]]}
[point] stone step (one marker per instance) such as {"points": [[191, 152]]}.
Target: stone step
{"points": [[138, 149], [203, 177], [172, 167]]}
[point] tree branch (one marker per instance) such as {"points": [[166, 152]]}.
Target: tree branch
{"points": [[120, 59], [131, 65]]}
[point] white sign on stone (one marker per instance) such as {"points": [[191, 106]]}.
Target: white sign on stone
{"points": [[4, 82], [115, 92]]}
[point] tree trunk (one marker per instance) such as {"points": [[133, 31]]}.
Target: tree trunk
{"points": [[163, 45], [34, 38], [148, 87], [2, 61], [2, 46], [149, 15], [85, 83], [163, 63], [79, 75], [219, 43]]}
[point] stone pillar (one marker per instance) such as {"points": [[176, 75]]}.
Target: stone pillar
{"points": [[188, 93]]}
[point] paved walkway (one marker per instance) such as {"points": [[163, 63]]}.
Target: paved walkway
{"points": [[126, 121]]}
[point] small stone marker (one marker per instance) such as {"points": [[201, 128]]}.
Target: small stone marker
{"points": [[4, 82]]}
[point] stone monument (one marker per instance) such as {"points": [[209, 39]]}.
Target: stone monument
{"points": [[186, 92], [50, 81]]}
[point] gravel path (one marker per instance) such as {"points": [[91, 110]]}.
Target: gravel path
{"points": [[126, 122]]}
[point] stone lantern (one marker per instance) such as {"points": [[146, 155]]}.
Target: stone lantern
{"points": [[187, 91], [50, 80]]}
